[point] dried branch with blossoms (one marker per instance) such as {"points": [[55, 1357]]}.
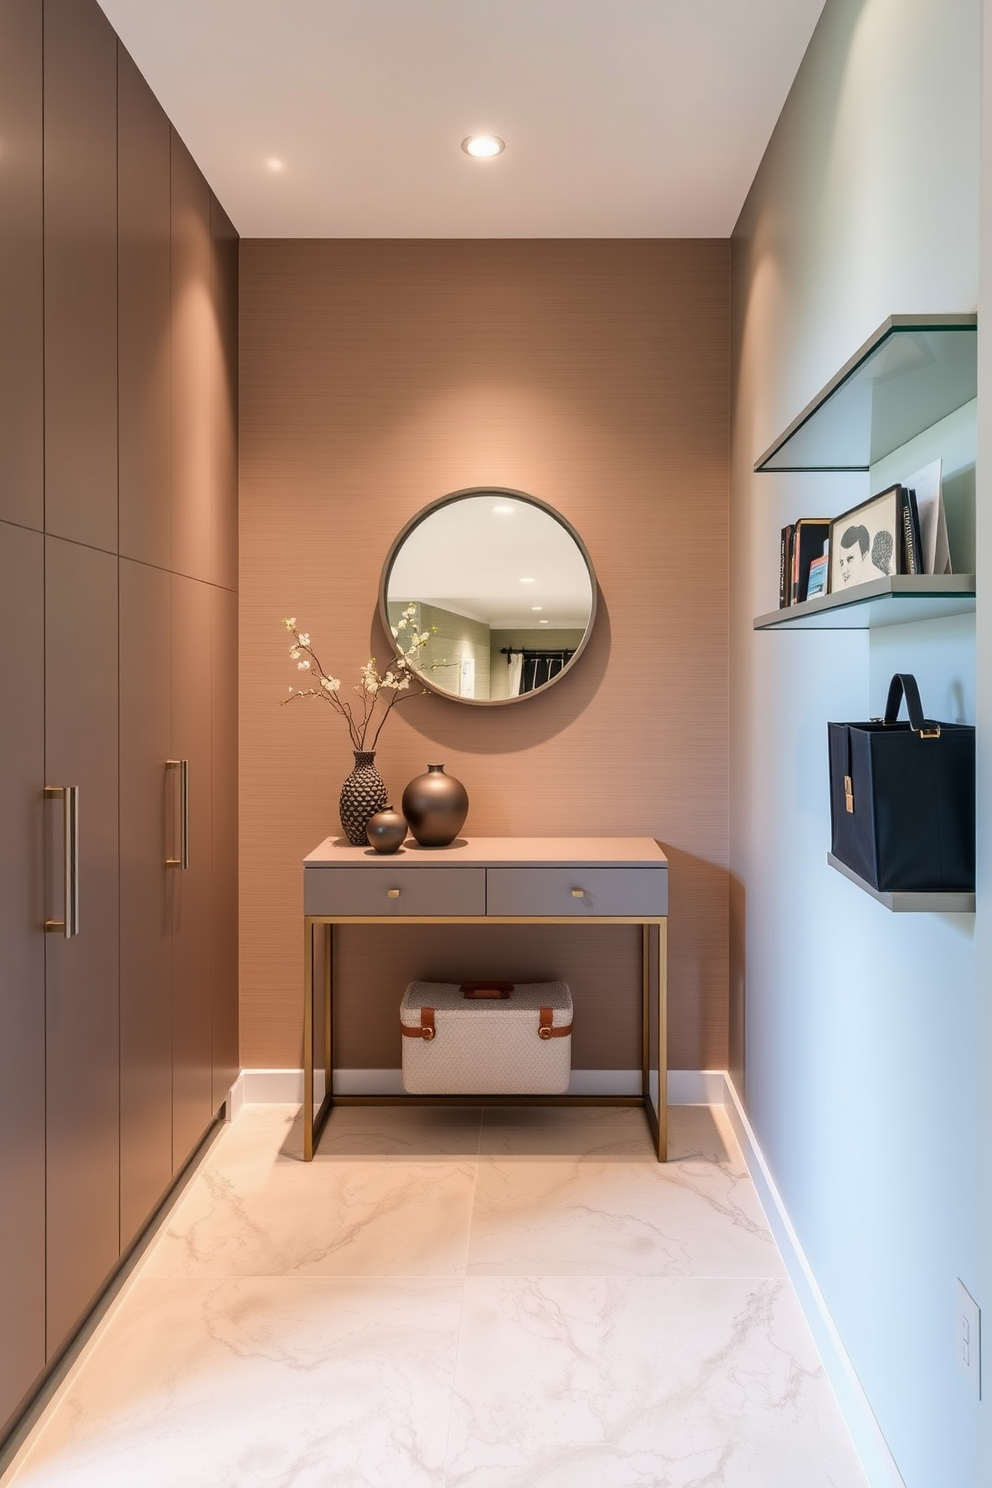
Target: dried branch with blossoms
{"points": [[378, 692]]}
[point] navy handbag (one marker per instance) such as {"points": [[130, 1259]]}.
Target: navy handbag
{"points": [[902, 798]]}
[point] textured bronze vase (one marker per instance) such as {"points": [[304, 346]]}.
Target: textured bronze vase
{"points": [[387, 831], [436, 806], [362, 795]]}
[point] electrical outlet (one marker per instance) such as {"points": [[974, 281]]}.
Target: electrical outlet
{"points": [[968, 1338]]}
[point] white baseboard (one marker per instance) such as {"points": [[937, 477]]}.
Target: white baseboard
{"points": [[877, 1460], [235, 1099], [262, 1087]]}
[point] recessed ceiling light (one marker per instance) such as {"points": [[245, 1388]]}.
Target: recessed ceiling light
{"points": [[483, 146], [544, 622], [528, 581], [537, 607], [275, 165], [502, 510]]}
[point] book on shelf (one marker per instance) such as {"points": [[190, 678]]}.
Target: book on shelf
{"points": [[911, 556], [785, 567], [808, 536], [935, 553], [819, 576]]}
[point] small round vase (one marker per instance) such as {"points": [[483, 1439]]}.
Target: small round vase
{"points": [[436, 806], [362, 795], [387, 830]]}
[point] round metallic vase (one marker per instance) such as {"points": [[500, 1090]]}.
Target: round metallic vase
{"points": [[435, 805], [386, 831]]}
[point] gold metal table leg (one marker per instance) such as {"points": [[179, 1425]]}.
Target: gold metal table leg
{"points": [[308, 925], [654, 1035]]}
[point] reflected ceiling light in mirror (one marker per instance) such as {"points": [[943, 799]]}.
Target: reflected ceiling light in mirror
{"points": [[483, 146], [502, 511], [537, 607], [528, 581]]}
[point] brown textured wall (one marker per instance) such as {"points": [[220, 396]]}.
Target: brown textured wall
{"points": [[375, 377]]}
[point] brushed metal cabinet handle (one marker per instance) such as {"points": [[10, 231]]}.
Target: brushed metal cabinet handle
{"points": [[69, 925], [392, 893], [578, 893], [182, 765]]}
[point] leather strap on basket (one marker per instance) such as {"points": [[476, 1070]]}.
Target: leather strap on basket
{"points": [[425, 1031], [546, 1028], [903, 685]]}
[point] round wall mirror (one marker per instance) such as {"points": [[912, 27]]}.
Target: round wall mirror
{"points": [[501, 585]]}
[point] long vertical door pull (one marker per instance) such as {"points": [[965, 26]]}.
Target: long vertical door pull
{"points": [[69, 925], [182, 766]]}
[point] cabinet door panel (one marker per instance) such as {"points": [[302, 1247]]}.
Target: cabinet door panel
{"points": [[82, 1003], [80, 273], [224, 651], [22, 967], [194, 338], [22, 430], [191, 730], [147, 827], [144, 298], [224, 375]]}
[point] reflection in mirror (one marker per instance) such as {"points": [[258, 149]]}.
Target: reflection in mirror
{"points": [[504, 587]]}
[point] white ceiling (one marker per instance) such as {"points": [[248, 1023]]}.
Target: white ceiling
{"points": [[622, 118]]}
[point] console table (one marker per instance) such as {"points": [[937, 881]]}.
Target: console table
{"points": [[484, 881]]}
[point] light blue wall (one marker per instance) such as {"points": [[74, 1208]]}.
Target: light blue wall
{"points": [[860, 1025]]}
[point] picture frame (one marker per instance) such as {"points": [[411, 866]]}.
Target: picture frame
{"points": [[865, 542]]}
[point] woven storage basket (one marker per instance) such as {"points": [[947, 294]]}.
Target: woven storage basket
{"points": [[454, 1046]]}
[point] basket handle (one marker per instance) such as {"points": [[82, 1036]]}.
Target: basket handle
{"points": [[903, 685]]}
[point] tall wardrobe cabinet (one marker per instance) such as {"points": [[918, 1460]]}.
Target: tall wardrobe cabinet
{"points": [[118, 640]]}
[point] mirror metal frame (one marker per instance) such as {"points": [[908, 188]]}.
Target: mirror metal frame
{"points": [[429, 511]]}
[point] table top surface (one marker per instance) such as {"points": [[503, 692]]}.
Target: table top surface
{"points": [[497, 852]]}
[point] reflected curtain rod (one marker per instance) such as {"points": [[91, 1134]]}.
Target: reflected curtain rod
{"points": [[527, 651]]}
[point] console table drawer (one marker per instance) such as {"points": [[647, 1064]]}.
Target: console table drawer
{"points": [[394, 891], [574, 892]]}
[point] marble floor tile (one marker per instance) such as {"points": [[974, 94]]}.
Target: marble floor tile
{"points": [[575, 1382], [601, 1133], [249, 1215], [400, 1132], [260, 1384], [691, 1217], [607, 1133], [529, 1280]]}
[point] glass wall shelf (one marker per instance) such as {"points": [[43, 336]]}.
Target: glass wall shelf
{"points": [[898, 902], [915, 370], [897, 600]]}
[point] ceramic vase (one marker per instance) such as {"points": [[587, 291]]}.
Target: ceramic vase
{"points": [[362, 795], [387, 830], [435, 805]]}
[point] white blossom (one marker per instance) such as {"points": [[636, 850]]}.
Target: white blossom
{"points": [[303, 666], [303, 639], [330, 684]]}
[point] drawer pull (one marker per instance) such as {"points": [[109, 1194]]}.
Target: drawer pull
{"points": [[392, 893], [69, 925], [578, 893]]}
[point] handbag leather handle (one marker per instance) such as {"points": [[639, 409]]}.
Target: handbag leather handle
{"points": [[903, 685]]}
